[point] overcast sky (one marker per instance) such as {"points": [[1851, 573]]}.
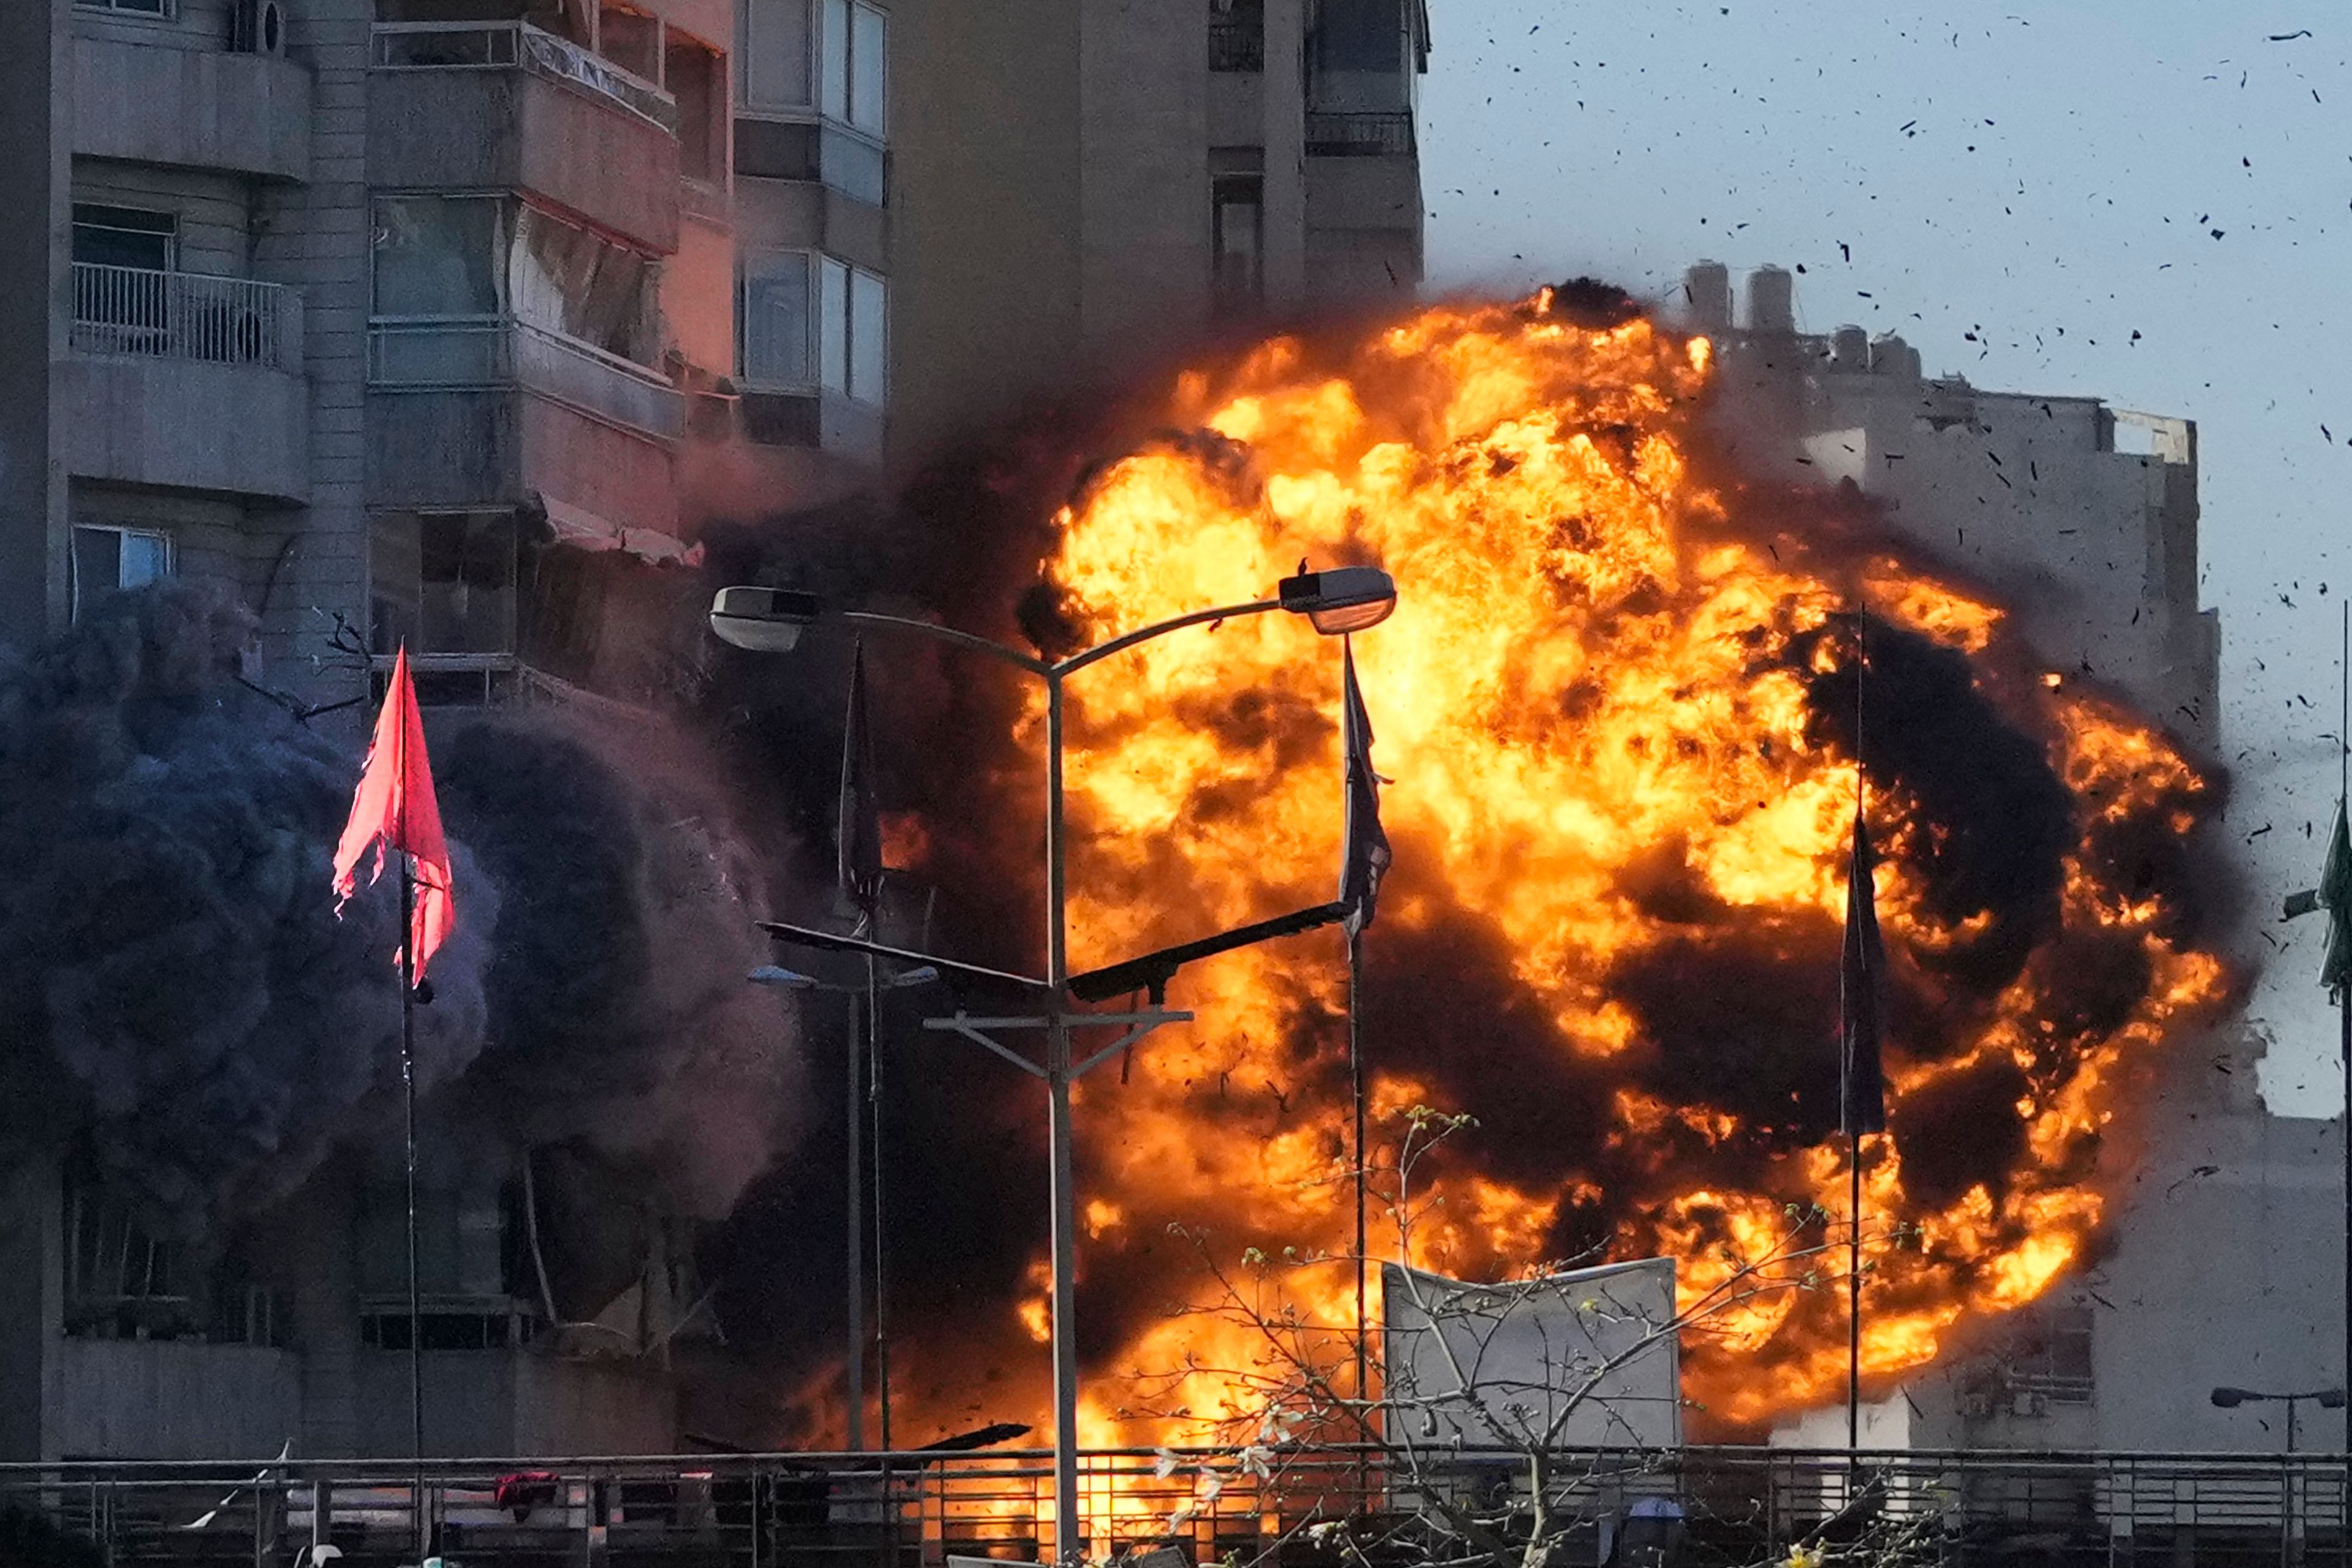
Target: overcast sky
{"points": [[2149, 201]]}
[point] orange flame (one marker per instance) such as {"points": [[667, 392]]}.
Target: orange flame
{"points": [[1598, 666]]}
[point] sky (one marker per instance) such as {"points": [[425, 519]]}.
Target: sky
{"points": [[2147, 201]]}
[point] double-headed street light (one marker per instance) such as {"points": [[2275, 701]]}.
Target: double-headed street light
{"points": [[1336, 602]]}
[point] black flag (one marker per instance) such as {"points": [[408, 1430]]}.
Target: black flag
{"points": [[1862, 999], [1367, 854], [858, 834]]}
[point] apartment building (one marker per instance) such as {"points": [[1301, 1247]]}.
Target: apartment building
{"points": [[412, 320], [2083, 517], [376, 308]]}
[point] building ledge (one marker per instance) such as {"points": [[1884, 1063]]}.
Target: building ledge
{"points": [[197, 109]]}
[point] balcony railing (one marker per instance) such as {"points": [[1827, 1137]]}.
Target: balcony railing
{"points": [[1360, 133], [183, 315], [504, 45], [455, 353]]}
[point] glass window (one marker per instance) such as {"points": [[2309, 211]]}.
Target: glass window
{"points": [[868, 54], [436, 256], [775, 58], [775, 318], [832, 90], [833, 324], [107, 558], [868, 337], [854, 60], [853, 166], [565, 280], [442, 581], [132, 7], [1365, 36], [852, 332], [125, 237]]}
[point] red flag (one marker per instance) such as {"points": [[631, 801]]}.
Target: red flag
{"points": [[394, 810]]}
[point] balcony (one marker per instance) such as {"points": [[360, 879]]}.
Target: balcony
{"points": [[492, 411], [185, 382], [192, 108], [1360, 133], [477, 106]]}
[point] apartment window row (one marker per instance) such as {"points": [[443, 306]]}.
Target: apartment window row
{"points": [[128, 7], [830, 57], [809, 321]]}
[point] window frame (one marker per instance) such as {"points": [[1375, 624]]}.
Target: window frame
{"points": [[163, 11], [748, 51], [166, 227], [745, 264], [826, 82], [836, 339], [122, 531], [449, 658]]}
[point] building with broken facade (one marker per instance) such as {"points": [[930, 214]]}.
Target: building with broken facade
{"points": [[2224, 1267]]}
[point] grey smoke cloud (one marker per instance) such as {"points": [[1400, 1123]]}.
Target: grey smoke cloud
{"points": [[178, 997]]}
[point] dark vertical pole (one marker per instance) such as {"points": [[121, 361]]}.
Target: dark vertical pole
{"points": [[855, 1371], [408, 1109], [881, 1253], [2344, 1003], [1853, 1129], [1356, 1095]]}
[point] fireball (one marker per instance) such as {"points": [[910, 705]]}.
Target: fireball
{"points": [[1618, 703]]}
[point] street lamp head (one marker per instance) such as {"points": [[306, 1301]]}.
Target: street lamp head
{"points": [[1341, 600], [2230, 1398], [2330, 1398], [789, 978], [761, 620], [922, 975]]}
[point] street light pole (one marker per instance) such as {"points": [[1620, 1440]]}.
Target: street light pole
{"points": [[769, 620]]}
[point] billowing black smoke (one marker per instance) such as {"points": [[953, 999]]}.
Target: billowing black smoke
{"points": [[183, 1007]]}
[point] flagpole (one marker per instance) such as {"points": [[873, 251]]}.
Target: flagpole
{"points": [[1848, 1107], [408, 1110], [881, 1255], [1356, 1094], [856, 1370]]}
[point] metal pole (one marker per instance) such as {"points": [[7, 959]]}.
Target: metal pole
{"points": [[881, 1255], [408, 1110], [1066, 1528], [854, 1368], [1854, 1300], [1356, 1094], [1853, 1131]]}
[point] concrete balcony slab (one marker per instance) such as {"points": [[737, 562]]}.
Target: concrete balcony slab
{"points": [[195, 109], [187, 425]]}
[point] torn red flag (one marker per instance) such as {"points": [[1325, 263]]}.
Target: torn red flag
{"points": [[394, 810]]}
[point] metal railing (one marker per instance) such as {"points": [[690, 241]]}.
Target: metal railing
{"points": [[1358, 133], [1727, 1507], [183, 315], [505, 46], [447, 353]]}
